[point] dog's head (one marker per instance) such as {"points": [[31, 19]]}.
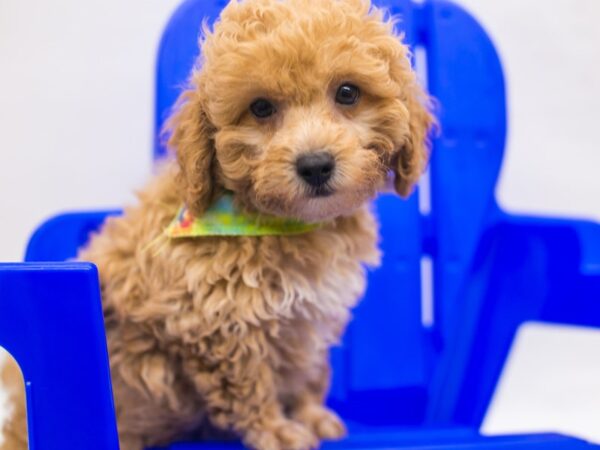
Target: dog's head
{"points": [[301, 108]]}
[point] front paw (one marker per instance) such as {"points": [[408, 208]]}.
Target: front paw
{"points": [[323, 422], [281, 434]]}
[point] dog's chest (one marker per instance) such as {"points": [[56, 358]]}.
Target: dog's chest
{"points": [[320, 283], [321, 277], [297, 289]]}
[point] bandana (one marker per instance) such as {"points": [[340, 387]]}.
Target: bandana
{"points": [[224, 219]]}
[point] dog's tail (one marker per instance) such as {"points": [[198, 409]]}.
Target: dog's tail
{"points": [[14, 432]]}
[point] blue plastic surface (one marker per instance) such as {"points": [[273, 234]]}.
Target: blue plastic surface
{"points": [[51, 322], [60, 237], [525, 269], [427, 440], [398, 383]]}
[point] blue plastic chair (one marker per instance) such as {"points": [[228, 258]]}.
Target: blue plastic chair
{"points": [[397, 382]]}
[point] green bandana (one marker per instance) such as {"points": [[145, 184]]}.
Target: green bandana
{"points": [[223, 219]]}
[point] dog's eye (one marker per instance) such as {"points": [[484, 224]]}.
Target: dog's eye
{"points": [[262, 108], [347, 94]]}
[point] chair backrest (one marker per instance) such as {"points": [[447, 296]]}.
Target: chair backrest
{"points": [[383, 372], [465, 75], [388, 354]]}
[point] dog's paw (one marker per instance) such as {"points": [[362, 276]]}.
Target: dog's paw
{"points": [[282, 435], [323, 422]]}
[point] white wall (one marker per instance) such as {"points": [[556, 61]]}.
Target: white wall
{"points": [[76, 116], [551, 54], [75, 107]]}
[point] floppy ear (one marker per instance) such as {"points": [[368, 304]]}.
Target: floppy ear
{"points": [[412, 158], [191, 137]]}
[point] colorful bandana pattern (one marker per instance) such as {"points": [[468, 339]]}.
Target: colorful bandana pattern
{"points": [[224, 219]]}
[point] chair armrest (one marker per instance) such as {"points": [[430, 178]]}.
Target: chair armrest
{"points": [[587, 234], [526, 269], [59, 238], [51, 322]]}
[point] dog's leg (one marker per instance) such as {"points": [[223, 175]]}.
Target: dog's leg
{"points": [[15, 428], [308, 408], [152, 404], [241, 395]]}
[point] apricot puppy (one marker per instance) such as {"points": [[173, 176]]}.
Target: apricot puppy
{"points": [[297, 109]]}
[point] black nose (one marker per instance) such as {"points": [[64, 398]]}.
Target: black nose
{"points": [[316, 168]]}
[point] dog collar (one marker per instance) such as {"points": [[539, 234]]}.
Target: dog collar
{"points": [[224, 219]]}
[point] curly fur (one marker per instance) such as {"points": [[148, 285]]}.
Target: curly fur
{"points": [[232, 334]]}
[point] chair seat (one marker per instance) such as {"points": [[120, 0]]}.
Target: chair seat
{"points": [[424, 439]]}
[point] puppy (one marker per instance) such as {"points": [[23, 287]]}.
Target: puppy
{"points": [[300, 109]]}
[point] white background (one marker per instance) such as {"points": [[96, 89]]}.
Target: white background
{"points": [[76, 121]]}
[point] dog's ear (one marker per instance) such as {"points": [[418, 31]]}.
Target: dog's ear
{"points": [[191, 138], [411, 159]]}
